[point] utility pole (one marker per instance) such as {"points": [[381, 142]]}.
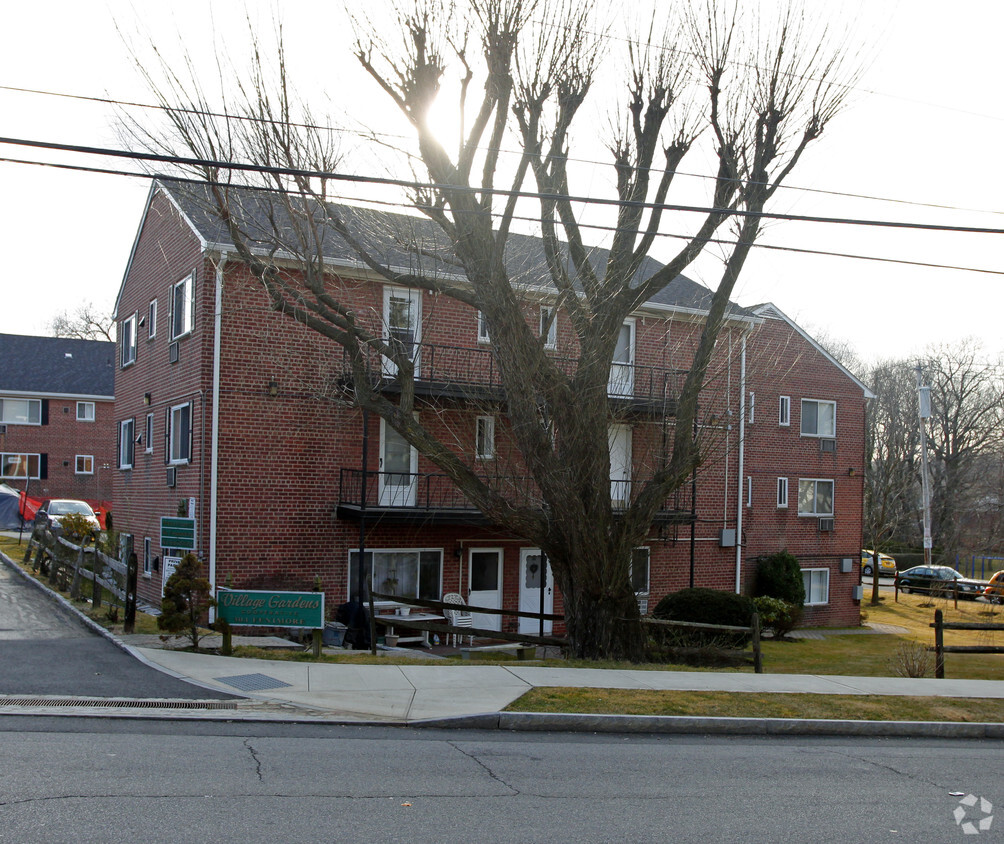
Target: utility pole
{"points": [[924, 413]]}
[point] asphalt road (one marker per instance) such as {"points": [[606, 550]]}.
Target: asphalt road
{"points": [[82, 779], [46, 651]]}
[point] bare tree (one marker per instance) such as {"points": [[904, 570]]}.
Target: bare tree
{"points": [[768, 92], [86, 322]]}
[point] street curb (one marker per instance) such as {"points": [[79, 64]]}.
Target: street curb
{"points": [[688, 725]]}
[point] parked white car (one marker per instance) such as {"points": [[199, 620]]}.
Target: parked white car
{"points": [[51, 513]]}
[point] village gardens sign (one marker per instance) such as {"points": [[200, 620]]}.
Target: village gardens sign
{"points": [[252, 608]]}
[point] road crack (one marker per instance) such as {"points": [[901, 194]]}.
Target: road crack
{"points": [[515, 791], [254, 755]]}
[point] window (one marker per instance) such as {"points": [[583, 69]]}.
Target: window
{"points": [[151, 320], [85, 411], [148, 440], [129, 340], [181, 306], [85, 464], [784, 411], [483, 328], [819, 418], [815, 497], [548, 327], [179, 433], [749, 490], [485, 438], [752, 412], [407, 573], [639, 570], [23, 466], [817, 586], [127, 443], [782, 493], [147, 556], [21, 411]]}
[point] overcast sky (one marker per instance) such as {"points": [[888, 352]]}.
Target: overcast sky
{"points": [[922, 131]]}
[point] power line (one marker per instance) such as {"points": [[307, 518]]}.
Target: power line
{"points": [[589, 226], [550, 197], [370, 134]]}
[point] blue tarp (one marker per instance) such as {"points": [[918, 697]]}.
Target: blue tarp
{"points": [[9, 518]]}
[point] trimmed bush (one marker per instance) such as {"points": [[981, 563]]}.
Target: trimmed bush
{"points": [[779, 576], [780, 616], [187, 598], [707, 606]]}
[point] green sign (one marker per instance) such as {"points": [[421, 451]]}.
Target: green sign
{"points": [[252, 608], [177, 533]]}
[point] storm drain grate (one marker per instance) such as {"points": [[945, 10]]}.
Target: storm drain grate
{"points": [[128, 703], [253, 682]]}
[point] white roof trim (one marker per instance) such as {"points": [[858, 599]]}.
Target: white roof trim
{"points": [[769, 309]]}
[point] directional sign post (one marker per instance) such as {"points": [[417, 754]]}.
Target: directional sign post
{"points": [[177, 533]]}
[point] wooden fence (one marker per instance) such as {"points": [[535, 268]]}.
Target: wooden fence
{"points": [[940, 648], [753, 630], [67, 565]]}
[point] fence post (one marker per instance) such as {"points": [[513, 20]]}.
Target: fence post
{"points": [[99, 571], [75, 585], [939, 645], [130, 597], [757, 655]]}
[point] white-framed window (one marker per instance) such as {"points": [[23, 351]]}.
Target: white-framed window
{"points": [[817, 586], [182, 296], [128, 334], [782, 493], [749, 490], [21, 411], [640, 570], [548, 328], [151, 320], [85, 464], [148, 438], [127, 443], [147, 556], [819, 418], [407, 572], [784, 411], [484, 438], [815, 497], [179, 433], [483, 328], [752, 409], [20, 466], [85, 411]]}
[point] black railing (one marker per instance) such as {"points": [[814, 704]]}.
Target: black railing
{"points": [[436, 493], [474, 370]]}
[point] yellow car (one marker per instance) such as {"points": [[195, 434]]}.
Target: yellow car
{"points": [[887, 565], [994, 592]]}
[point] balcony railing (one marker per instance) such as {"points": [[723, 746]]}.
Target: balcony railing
{"points": [[425, 494], [465, 371]]}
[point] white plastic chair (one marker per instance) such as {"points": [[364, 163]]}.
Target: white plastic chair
{"points": [[458, 618]]}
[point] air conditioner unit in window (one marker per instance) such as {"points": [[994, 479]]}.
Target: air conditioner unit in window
{"points": [[825, 525], [828, 446], [172, 476], [172, 352], [3, 429]]}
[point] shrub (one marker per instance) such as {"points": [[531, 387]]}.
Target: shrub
{"points": [[75, 526], [706, 606], [778, 576], [780, 616], [187, 597]]}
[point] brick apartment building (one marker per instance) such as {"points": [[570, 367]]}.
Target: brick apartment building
{"points": [[57, 417], [235, 415]]}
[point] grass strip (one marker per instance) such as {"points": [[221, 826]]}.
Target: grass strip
{"points": [[753, 705]]}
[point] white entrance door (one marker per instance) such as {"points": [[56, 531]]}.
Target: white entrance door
{"points": [[486, 586], [402, 320], [619, 441], [622, 368], [398, 468], [530, 569]]}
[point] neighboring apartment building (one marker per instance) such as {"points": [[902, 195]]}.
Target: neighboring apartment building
{"points": [[236, 416], [57, 417]]}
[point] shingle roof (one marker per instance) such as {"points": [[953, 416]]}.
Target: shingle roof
{"points": [[57, 366], [406, 243]]}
